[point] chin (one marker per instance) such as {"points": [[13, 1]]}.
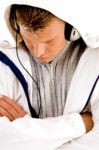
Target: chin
{"points": [[44, 60]]}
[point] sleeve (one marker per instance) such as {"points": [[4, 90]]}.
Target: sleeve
{"points": [[9, 84], [5, 80], [56, 129], [89, 141], [94, 101], [11, 87]]}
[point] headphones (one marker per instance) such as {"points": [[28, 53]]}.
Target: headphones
{"points": [[71, 33], [15, 25]]}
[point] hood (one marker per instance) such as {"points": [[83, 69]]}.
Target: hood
{"points": [[81, 14]]}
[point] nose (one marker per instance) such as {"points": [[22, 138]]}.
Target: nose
{"points": [[39, 50]]}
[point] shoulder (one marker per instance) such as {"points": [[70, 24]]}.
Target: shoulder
{"points": [[90, 55], [91, 51], [10, 51]]}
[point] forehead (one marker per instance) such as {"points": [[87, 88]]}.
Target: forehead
{"points": [[52, 29]]}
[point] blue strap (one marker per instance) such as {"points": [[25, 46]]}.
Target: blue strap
{"points": [[20, 77]]}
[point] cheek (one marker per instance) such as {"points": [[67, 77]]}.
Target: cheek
{"points": [[56, 46], [29, 44], [55, 49]]}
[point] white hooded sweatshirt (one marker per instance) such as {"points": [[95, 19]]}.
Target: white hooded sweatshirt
{"points": [[59, 128]]}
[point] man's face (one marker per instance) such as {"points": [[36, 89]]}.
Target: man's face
{"points": [[45, 44]]}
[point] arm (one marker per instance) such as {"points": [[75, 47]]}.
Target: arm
{"points": [[57, 130], [90, 140], [12, 110], [11, 87]]}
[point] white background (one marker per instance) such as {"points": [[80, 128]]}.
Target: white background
{"points": [[4, 33]]}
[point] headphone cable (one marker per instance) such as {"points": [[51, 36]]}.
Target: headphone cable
{"points": [[28, 74]]}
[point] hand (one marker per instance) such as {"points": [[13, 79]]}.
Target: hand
{"points": [[10, 109], [87, 118]]}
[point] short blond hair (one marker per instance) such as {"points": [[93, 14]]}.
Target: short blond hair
{"points": [[32, 17]]}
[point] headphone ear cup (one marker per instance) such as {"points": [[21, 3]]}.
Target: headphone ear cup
{"points": [[67, 31], [71, 33], [74, 35]]}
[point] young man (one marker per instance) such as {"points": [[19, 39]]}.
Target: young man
{"points": [[49, 51]]}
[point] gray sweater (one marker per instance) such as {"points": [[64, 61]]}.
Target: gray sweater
{"points": [[53, 80]]}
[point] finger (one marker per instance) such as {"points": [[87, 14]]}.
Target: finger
{"points": [[12, 107], [3, 112], [15, 106], [6, 106]]}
